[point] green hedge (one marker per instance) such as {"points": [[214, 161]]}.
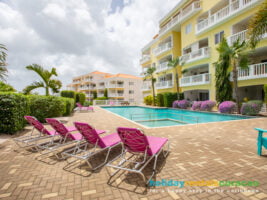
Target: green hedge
{"points": [[168, 98], [43, 107], [160, 100], [148, 100], [80, 97], [13, 107], [265, 93], [68, 93], [69, 105], [88, 103], [101, 98]]}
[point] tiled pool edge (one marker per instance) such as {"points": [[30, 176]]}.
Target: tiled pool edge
{"points": [[146, 127]]}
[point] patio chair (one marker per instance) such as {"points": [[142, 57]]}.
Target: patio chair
{"points": [[67, 137], [138, 144], [30, 140], [262, 141], [97, 143], [85, 108]]}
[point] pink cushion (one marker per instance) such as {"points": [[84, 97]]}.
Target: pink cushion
{"points": [[52, 133], [76, 136], [110, 140], [86, 108], [100, 131], [155, 144], [71, 128]]}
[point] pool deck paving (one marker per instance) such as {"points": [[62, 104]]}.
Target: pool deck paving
{"points": [[223, 151]]}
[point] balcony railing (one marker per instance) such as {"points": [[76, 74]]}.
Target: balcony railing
{"points": [[87, 88], [145, 58], [223, 13], [163, 48], [146, 87], [162, 67], [164, 84], [100, 95], [115, 95], [115, 86], [242, 36], [196, 55], [199, 79], [89, 95], [252, 72], [182, 15]]}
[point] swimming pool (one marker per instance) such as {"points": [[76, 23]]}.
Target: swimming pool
{"points": [[159, 117]]}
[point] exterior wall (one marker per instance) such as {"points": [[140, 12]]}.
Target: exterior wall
{"points": [[101, 81], [183, 40]]}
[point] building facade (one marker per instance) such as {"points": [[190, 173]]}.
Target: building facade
{"points": [[119, 86], [192, 30]]}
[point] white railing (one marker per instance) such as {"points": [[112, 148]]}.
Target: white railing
{"points": [[115, 85], [101, 87], [252, 72], [164, 84], [182, 15], [112, 102], [162, 67], [242, 36], [100, 95], [199, 79], [144, 59], [163, 48], [223, 13], [89, 95], [87, 88], [115, 95], [146, 87], [196, 55]]}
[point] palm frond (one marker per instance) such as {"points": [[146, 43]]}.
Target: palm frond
{"points": [[33, 86], [55, 85]]}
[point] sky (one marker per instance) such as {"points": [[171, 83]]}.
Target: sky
{"points": [[77, 36]]}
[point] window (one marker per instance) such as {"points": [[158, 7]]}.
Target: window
{"points": [[219, 37], [188, 28], [131, 83], [131, 91]]}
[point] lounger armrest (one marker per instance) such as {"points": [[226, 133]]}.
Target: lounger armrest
{"points": [[261, 130]]}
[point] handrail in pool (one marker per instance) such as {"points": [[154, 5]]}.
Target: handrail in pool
{"points": [[182, 116]]}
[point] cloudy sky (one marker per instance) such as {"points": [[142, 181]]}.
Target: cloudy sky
{"points": [[77, 36]]}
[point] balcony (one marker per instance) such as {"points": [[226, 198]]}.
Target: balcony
{"points": [[115, 85], [146, 87], [89, 95], [115, 95], [199, 79], [242, 36], [194, 7], [100, 95], [162, 67], [255, 71], [196, 55], [223, 14], [87, 88], [164, 84], [163, 48], [145, 59], [101, 87]]}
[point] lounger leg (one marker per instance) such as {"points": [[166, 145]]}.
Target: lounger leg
{"points": [[260, 142]]}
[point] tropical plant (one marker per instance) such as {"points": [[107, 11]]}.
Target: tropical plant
{"points": [[196, 105], [149, 75], [251, 107], [3, 64], [106, 93], [47, 81], [6, 87], [173, 64], [234, 56], [183, 104], [265, 93], [258, 25], [148, 100], [207, 105]]}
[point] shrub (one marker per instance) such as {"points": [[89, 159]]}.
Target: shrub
{"points": [[101, 98], [265, 92], [6, 87], [69, 105], [46, 106], [251, 107], [169, 98], [80, 97], [68, 93], [13, 107], [88, 103], [196, 105], [160, 100], [94, 94], [207, 105], [227, 107], [183, 104], [148, 100]]}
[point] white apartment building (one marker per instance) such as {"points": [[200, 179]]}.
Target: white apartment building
{"points": [[119, 86]]}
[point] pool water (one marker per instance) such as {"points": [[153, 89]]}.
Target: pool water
{"points": [[158, 117]]}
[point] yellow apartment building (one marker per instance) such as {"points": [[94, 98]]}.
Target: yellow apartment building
{"points": [[119, 86], [192, 30]]}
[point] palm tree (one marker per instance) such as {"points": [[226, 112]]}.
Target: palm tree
{"points": [[173, 64], [236, 56], [3, 69], [258, 26], [149, 75], [46, 82]]}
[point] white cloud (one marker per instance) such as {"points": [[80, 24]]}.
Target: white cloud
{"points": [[77, 36]]}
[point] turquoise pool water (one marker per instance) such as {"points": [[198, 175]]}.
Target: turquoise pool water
{"points": [[158, 117]]}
